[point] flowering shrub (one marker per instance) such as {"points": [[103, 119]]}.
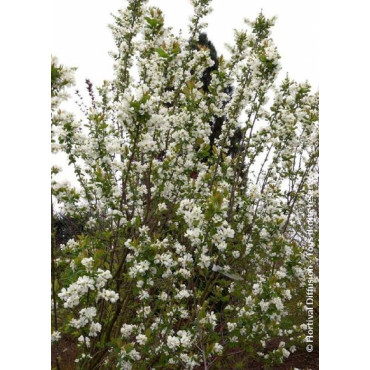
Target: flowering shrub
{"points": [[188, 253]]}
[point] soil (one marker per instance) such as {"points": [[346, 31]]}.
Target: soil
{"points": [[63, 354]]}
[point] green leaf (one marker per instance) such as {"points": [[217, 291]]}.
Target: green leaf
{"points": [[152, 22], [162, 53]]}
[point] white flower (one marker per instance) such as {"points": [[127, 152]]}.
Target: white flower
{"points": [[55, 336], [85, 340], [216, 268], [185, 338], [147, 143], [162, 206], [72, 265], [125, 365], [102, 278], [163, 296], [173, 342], [86, 316], [257, 289], [146, 311], [135, 355], [141, 339], [76, 290], [222, 246], [140, 284], [264, 234], [89, 312], [287, 294], [209, 319], [140, 268], [88, 263], [278, 303], [218, 349], [91, 222], [70, 246], [231, 326], [184, 293], [205, 261], [127, 329], [109, 295], [271, 52], [143, 295], [264, 305], [236, 254], [95, 328], [281, 273]]}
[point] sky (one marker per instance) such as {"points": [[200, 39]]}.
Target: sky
{"points": [[81, 37]]}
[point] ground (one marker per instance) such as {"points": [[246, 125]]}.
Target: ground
{"points": [[66, 350]]}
